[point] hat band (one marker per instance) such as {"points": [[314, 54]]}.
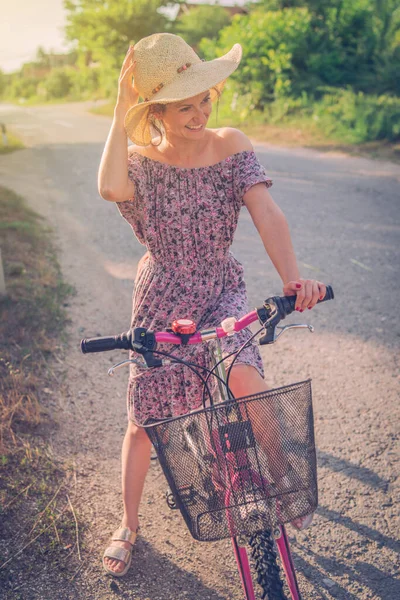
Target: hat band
{"points": [[161, 85]]}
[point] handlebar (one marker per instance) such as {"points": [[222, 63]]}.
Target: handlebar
{"points": [[143, 341]]}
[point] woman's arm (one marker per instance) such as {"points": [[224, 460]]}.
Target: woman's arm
{"points": [[274, 231], [113, 181]]}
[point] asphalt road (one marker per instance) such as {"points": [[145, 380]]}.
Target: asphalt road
{"points": [[344, 217]]}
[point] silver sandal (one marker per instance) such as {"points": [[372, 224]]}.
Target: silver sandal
{"points": [[124, 534]]}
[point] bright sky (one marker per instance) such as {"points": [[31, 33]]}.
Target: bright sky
{"points": [[27, 24]]}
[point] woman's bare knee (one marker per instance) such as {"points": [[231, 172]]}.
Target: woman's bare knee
{"points": [[245, 380], [137, 432]]}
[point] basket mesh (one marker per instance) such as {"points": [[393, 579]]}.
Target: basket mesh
{"points": [[241, 466]]}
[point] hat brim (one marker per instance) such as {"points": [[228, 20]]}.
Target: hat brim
{"points": [[195, 80]]}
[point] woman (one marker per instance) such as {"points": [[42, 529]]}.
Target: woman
{"points": [[182, 197]]}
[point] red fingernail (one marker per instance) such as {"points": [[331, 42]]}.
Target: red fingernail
{"points": [[302, 310], [298, 285], [322, 297], [309, 307]]}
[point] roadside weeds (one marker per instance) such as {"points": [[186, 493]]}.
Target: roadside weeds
{"points": [[40, 528], [9, 142]]}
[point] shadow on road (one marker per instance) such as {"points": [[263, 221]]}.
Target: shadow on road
{"points": [[372, 534], [381, 584], [363, 474], [154, 575], [316, 577]]}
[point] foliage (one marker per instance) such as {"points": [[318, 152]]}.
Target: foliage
{"points": [[103, 30], [31, 314], [3, 82], [274, 51], [9, 143], [35, 490], [201, 22], [21, 87], [358, 117], [57, 84], [350, 42], [333, 62]]}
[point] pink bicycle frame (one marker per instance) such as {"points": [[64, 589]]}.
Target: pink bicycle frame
{"points": [[281, 539]]}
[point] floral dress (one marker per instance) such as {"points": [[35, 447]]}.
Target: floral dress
{"points": [[187, 219]]}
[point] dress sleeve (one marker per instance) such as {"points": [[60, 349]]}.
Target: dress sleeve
{"points": [[135, 173], [132, 209], [248, 172]]}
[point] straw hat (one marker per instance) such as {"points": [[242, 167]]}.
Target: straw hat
{"points": [[168, 70]]}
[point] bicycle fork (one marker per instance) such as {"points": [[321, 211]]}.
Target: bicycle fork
{"points": [[280, 534], [241, 557], [282, 543]]}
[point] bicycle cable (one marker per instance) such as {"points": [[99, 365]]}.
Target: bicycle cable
{"points": [[189, 365], [235, 352], [239, 351]]}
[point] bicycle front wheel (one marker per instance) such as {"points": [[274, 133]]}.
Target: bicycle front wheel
{"points": [[267, 569]]}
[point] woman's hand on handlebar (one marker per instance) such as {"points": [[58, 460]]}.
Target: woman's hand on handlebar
{"points": [[128, 96], [308, 292]]}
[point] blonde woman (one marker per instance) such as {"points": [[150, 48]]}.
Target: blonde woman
{"points": [[181, 186]]}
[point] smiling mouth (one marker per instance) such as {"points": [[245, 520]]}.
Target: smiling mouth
{"points": [[194, 128]]}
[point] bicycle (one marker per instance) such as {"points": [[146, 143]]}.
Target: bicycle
{"points": [[222, 475]]}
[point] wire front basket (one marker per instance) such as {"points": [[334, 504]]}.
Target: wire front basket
{"points": [[241, 466]]}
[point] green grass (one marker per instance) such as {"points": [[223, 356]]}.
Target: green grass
{"points": [[13, 143], [38, 524]]}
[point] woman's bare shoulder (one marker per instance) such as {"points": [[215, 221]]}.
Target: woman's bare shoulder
{"points": [[234, 140], [133, 149]]}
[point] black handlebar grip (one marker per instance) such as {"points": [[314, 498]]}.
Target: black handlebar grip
{"points": [[102, 344], [288, 303]]}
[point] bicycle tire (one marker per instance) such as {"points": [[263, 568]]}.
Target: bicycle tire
{"points": [[267, 569]]}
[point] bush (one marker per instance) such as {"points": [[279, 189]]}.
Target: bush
{"points": [[21, 87], [274, 51], [201, 22], [84, 82], [57, 84], [357, 117]]}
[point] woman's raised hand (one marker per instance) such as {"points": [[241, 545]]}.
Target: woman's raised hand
{"points": [[127, 93]]}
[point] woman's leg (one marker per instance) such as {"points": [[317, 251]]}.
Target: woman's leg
{"points": [[245, 380], [136, 450]]}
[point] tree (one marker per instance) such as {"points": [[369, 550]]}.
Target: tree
{"points": [[2, 83], [201, 22], [274, 51], [105, 29], [57, 84], [42, 58]]}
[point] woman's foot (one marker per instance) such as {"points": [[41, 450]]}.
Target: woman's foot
{"points": [[302, 522], [288, 484], [117, 557]]}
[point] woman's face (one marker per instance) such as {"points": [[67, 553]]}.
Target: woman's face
{"points": [[188, 118]]}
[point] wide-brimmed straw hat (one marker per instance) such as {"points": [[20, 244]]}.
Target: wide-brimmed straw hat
{"points": [[169, 70]]}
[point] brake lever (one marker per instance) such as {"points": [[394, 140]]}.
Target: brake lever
{"points": [[134, 361], [140, 363], [271, 334], [292, 326]]}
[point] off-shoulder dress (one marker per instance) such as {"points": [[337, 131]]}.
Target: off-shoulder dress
{"points": [[186, 218]]}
